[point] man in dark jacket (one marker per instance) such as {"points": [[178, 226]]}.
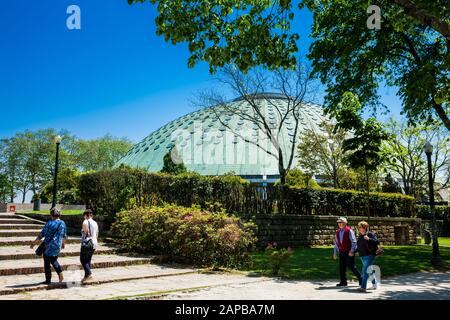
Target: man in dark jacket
{"points": [[345, 246]]}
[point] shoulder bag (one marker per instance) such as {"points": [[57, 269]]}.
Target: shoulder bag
{"points": [[87, 242], [43, 246]]}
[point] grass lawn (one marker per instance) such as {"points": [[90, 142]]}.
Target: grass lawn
{"points": [[443, 241], [317, 262], [64, 212]]}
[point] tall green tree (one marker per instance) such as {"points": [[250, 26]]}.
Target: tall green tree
{"points": [[12, 160], [245, 33], [390, 185], [322, 153], [4, 188], [28, 158], [173, 163], [101, 153], [411, 50], [364, 148], [406, 159]]}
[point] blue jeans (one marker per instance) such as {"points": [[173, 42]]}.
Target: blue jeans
{"points": [[48, 271], [367, 261], [85, 259]]}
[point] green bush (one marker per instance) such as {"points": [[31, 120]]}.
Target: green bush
{"points": [[299, 179], [442, 212], [68, 193], [196, 235], [327, 201], [277, 258], [112, 191]]}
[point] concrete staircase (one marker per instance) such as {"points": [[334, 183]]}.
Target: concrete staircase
{"points": [[22, 271]]}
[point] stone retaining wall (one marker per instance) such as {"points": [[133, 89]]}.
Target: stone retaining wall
{"points": [[320, 230]]}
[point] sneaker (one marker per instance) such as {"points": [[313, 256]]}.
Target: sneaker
{"points": [[85, 279], [340, 284], [61, 277], [361, 289], [374, 287], [46, 282]]}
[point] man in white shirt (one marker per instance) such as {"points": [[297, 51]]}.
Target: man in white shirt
{"points": [[89, 243]]}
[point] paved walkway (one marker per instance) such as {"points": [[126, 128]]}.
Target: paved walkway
{"points": [[423, 286], [204, 286], [126, 277]]}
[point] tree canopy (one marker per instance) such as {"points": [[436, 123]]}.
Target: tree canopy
{"points": [[27, 159], [246, 33], [411, 51]]}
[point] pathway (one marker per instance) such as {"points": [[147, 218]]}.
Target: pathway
{"points": [[127, 277]]}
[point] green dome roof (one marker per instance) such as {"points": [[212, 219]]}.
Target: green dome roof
{"points": [[208, 147]]}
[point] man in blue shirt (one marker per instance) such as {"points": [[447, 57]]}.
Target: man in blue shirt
{"points": [[54, 234], [345, 245]]}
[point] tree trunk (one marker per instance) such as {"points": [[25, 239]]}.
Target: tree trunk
{"points": [[368, 193], [24, 193], [12, 192], [283, 176], [335, 178], [281, 168]]}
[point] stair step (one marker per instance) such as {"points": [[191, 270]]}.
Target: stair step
{"points": [[30, 266], [21, 226], [24, 252], [26, 241], [23, 283], [19, 233], [7, 215], [17, 221]]}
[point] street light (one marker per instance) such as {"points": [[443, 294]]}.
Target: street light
{"points": [[55, 175], [436, 258]]}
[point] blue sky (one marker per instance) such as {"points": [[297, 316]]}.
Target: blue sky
{"points": [[112, 76]]}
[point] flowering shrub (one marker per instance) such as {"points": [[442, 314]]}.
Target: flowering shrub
{"points": [[277, 258], [196, 235]]}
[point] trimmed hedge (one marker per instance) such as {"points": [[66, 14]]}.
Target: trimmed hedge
{"points": [[194, 235], [442, 212], [112, 191], [327, 201]]}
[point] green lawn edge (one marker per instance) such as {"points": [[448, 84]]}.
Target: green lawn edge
{"points": [[316, 263]]}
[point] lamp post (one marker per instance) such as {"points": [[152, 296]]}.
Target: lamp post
{"points": [[55, 175], [436, 258], [331, 145]]}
